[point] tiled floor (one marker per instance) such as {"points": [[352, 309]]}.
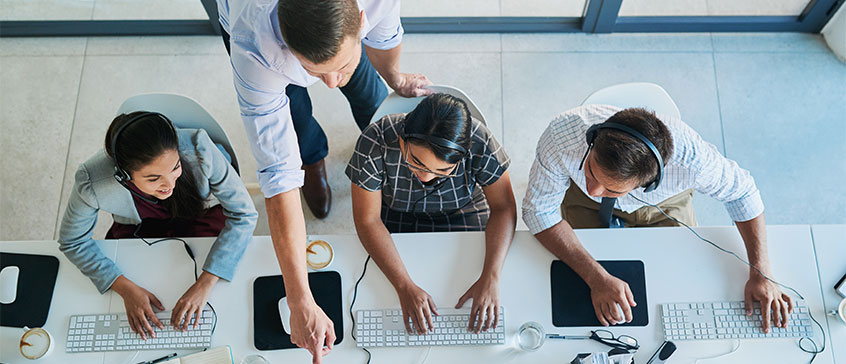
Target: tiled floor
{"points": [[776, 103]]}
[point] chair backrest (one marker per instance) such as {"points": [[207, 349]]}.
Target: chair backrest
{"points": [[394, 103], [184, 112], [636, 94]]}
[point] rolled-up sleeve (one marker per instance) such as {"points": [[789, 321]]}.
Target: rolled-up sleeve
{"points": [[724, 180], [387, 33], [266, 113], [75, 235], [548, 182]]}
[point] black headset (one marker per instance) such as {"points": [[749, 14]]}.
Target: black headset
{"points": [[591, 136], [121, 175]]}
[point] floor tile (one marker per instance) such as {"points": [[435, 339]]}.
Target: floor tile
{"points": [[463, 43], [148, 9], [37, 96], [445, 8], [206, 78], [621, 42], [540, 86], [769, 42], [784, 121], [46, 9], [173, 45], [59, 46], [570, 8]]}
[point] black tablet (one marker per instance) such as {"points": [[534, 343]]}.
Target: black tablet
{"points": [[268, 290], [571, 304]]}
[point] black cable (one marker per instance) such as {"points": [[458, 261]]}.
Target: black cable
{"points": [[352, 317], [193, 259], [813, 352]]}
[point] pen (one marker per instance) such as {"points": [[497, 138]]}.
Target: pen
{"points": [[557, 336], [154, 361]]}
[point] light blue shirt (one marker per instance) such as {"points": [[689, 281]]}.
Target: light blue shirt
{"points": [[695, 164], [263, 65]]}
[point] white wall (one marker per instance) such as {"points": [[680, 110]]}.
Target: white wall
{"points": [[834, 33]]}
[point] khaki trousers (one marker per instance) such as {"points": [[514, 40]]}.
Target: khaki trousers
{"points": [[583, 213]]}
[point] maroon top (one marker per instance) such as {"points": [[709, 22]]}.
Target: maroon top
{"points": [[157, 222]]}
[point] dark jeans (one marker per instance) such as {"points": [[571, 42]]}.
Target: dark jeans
{"points": [[365, 92]]}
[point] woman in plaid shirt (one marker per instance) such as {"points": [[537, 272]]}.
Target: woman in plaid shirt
{"points": [[433, 169]]}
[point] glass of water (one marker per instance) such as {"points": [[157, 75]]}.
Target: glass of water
{"points": [[530, 336]]}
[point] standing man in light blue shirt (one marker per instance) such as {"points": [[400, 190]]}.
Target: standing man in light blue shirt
{"points": [[277, 49]]}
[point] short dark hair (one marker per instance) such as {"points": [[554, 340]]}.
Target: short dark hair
{"points": [[142, 142], [316, 28], [442, 116], [624, 156]]}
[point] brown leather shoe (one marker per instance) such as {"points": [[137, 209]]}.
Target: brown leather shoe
{"points": [[316, 189]]}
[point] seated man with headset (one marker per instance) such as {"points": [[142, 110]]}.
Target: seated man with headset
{"points": [[600, 184]]}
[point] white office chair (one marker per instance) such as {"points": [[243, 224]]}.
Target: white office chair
{"points": [[636, 94], [394, 104], [184, 112]]}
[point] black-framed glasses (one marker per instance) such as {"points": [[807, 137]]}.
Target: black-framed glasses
{"points": [[405, 154], [606, 337]]}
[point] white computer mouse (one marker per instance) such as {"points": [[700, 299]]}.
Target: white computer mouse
{"points": [[9, 284], [621, 314], [285, 314]]}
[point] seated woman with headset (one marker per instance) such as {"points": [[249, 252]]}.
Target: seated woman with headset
{"points": [[433, 169], [157, 181]]}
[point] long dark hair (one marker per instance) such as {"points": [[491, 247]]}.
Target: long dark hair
{"points": [[142, 142], [441, 116]]}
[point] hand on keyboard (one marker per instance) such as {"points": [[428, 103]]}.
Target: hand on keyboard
{"points": [[191, 303], [606, 293], [759, 289], [138, 303], [484, 313], [418, 305]]}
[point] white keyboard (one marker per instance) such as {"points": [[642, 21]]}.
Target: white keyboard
{"points": [[385, 328], [728, 320], [111, 332]]}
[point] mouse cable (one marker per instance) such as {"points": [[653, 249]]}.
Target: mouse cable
{"points": [[733, 350], [190, 255], [816, 350], [352, 317]]}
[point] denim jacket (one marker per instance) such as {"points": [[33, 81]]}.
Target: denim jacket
{"points": [[95, 189]]}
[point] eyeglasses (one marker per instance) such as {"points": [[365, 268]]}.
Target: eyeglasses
{"points": [[405, 153], [606, 337]]}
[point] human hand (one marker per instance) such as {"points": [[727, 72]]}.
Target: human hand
{"points": [[192, 303], [411, 85], [418, 305], [485, 308], [311, 329], [607, 293], [139, 311], [760, 290]]}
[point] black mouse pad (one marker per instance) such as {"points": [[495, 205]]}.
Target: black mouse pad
{"points": [[571, 304], [268, 290], [36, 281]]}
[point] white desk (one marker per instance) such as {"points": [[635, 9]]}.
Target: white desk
{"points": [[679, 268], [830, 245]]}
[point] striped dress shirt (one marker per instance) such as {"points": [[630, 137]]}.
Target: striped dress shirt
{"points": [[695, 164]]}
